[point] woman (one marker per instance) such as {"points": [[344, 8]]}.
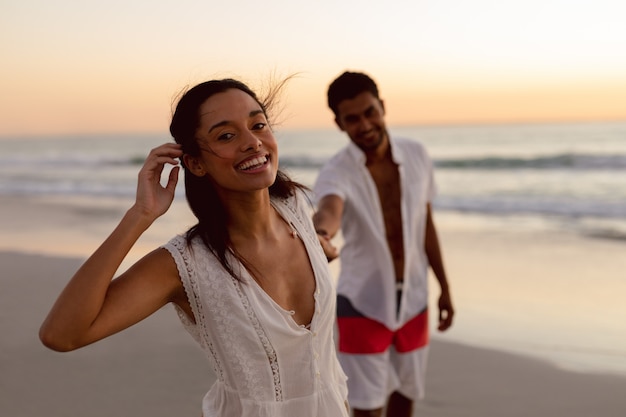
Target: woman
{"points": [[249, 280]]}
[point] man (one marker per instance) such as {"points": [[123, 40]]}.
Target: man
{"points": [[378, 191]]}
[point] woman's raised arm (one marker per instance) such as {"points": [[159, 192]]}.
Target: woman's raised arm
{"points": [[93, 305]]}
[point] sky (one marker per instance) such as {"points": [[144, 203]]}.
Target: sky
{"points": [[116, 66]]}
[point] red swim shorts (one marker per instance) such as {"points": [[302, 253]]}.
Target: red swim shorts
{"points": [[361, 335]]}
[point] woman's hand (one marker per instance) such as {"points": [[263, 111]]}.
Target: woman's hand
{"points": [[154, 199]]}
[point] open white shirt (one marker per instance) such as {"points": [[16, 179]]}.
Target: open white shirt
{"points": [[367, 276]]}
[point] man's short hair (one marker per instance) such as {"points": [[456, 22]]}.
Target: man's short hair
{"points": [[349, 85]]}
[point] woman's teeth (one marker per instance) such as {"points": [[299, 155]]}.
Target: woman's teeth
{"points": [[253, 163]]}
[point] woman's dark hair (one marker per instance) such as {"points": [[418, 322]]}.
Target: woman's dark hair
{"points": [[200, 191], [347, 86]]}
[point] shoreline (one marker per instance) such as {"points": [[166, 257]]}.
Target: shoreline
{"points": [[520, 285], [155, 368]]}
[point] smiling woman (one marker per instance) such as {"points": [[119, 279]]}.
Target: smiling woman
{"points": [[260, 306], [222, 137]]}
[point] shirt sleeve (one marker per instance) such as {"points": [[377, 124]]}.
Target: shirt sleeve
{"points": [[328, 183], [429, 172], [432, 185]]}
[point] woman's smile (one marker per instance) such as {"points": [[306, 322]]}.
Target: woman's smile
{"points": [[254, 163]]}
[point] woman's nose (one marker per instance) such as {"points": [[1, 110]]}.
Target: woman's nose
{"points": [[251, 141]]}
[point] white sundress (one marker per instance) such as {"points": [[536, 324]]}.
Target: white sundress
{"points": [[265, 363]]}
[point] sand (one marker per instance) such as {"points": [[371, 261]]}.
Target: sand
{"points": [[155, 368]]}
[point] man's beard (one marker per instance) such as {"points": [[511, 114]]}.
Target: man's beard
{"points": [[376, 144]]}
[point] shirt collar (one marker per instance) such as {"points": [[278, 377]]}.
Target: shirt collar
{"points": [[359, 156]]}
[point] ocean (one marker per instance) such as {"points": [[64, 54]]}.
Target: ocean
{"points": [[557, 178], [568, 174]]}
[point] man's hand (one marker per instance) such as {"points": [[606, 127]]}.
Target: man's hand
{"points": [[446, 311], [330, 250]]}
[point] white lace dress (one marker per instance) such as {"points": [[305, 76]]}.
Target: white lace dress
{"points": [[265, 363]]}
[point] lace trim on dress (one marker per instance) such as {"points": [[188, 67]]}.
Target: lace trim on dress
{"points": [[198, 331], [267, 345], [291, 204], [219, 302]]}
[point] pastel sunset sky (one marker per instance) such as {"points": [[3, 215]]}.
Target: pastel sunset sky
{"points": [[71, 66]]}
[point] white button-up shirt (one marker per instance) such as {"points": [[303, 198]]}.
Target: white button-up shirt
{"points": [[367, 276]]}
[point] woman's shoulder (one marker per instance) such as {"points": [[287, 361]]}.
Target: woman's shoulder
{"points": [[298, 202], [178, 245], [185, 249]]}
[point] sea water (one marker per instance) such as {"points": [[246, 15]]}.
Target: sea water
{"points": [[562, 177], [569, 173]]}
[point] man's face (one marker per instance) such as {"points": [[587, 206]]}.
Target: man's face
{"points": [[363, 119]]}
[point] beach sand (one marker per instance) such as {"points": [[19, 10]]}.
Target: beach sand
{"points": [[155, 368]]}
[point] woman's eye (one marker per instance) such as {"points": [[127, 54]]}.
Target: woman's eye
{"points": [[225, 136], [258, 126]]}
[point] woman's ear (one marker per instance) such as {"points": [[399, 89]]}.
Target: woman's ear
{"points": [[193, 164]]}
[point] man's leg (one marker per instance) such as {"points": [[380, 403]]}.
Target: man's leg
{"points": [[367, 382], [409, 368], [367, 413], [399, 406], [364, 357], [409, 356]]}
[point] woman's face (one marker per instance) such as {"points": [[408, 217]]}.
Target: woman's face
{"points": [[238, 148]]}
